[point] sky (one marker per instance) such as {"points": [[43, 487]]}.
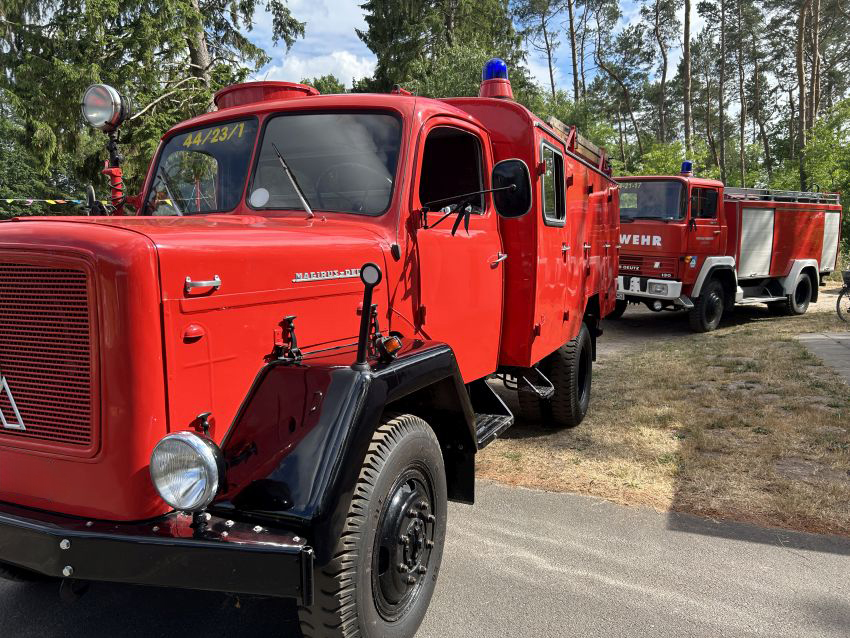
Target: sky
{"points": [[331, 45]]}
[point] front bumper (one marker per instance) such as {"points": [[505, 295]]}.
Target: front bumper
{"points": [[227, 556], [636, 286]]}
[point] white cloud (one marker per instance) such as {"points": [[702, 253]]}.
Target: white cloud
{"points": [[343, 64], [539, 68]]}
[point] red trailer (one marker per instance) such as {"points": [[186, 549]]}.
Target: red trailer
{"points": [[689, 243], [272, 377]]}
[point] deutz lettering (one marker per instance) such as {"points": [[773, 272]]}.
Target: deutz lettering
{"points": [[641, 240]]}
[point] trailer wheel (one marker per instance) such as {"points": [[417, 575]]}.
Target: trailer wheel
{"points": [[708, 308], [619, 309], [384, 568], [20, 575], [571, 372]]}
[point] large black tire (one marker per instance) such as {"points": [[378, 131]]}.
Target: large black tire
{"points": [[20, 575], [708, 308], [570, 369], [799, 300], [531, 408], [619, 309], [394, 531]]}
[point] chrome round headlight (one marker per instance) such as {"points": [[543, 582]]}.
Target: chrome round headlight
{"points": [[186, 470], [104, 108]]}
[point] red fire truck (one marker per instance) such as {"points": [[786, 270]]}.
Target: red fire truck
{"points": [[689, 243], [272, 377]]}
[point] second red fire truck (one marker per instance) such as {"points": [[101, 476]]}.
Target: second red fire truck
{"points": [[270, 379], [690, 243]]}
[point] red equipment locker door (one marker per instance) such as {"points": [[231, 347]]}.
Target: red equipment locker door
{"points": [[461, 276], [705, 231], [553, 250]]}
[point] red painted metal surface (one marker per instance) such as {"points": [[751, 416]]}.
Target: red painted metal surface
{"points": [[251, 92], [167, 353]]}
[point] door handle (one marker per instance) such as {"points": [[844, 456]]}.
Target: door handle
{"points": [[214, 283], [716, 232], [564, 249], [500, 258]]}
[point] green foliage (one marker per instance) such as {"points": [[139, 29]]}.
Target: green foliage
{"points": [[168, 56], [326, 84]]}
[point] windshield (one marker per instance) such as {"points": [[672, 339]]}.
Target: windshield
{"points": [[655, 199], [342, 162], [203, 171]]}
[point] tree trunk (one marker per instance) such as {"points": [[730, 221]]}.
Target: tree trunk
{"points": [[721, 105], [742, 157], [814, 89], [757, 116], [687, 60], [662, 123], [199, 54], [708, 134], [801, 87], [548, 53], [622, 143], [582, 49], [570, 9]]}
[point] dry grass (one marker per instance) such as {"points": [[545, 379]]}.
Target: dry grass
{"points": [[742, 423]]}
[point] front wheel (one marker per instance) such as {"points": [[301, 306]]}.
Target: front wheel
{"points": [[384, 569], [842, 305], [619, 309], [708, 308]]}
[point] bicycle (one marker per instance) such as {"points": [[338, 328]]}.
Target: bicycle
{"points": [[842, 306]]}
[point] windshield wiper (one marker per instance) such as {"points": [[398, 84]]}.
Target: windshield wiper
{"points": [[160, 176], [653, 217], [294, 183]]}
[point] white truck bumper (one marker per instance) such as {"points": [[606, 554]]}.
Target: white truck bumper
{"points": [[649, 288]]}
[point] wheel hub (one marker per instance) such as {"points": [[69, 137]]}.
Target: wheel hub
{"points": [[403, 545]]}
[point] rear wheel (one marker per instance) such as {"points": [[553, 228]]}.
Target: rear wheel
{"points": [[619, 309], [708, 308], [798, 301], [384, 568], [570, 370]]}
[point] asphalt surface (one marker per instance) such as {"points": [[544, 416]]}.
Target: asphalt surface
{"points": [[529, 564]]}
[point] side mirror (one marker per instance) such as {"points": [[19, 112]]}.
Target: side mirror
{"points": [[516, 201]]}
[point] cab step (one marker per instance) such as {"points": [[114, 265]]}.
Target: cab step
{"points": [[492, 416], [488, 427], [753, 300], [538, 385]]}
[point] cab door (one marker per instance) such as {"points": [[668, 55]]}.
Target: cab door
{"points": [[705, 231], [460, 276]]}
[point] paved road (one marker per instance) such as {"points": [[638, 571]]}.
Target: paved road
{"points": [[524, 563], [833, 348]]}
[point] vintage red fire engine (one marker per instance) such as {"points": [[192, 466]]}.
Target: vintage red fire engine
{"points": [[271, 379], [689, 243]]}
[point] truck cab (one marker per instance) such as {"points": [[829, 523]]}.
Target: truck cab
{"points": [[270, 375], [693, 244]]}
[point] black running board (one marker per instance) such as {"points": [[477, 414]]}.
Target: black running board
{"points": [[538, 384], [492, 416]]}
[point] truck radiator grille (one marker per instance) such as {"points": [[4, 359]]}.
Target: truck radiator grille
{"points": [[46, 357], [646, 264]]}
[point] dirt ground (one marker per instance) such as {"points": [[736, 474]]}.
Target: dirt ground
{"points": [[741, 424]]}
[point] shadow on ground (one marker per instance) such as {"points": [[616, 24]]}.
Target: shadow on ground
{"points": [[129, 611]]}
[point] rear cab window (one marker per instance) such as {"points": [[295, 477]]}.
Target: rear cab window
{"points": [[552, 186]]}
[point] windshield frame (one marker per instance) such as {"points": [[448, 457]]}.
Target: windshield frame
{"points": [[684, 209], [156, 165], [261, 136]]}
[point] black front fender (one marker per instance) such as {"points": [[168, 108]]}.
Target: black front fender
{"points": [[295, 449]]}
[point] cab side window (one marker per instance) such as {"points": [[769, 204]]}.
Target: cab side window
{"points": [[451, 165], [552, 185], [704, 203]]}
